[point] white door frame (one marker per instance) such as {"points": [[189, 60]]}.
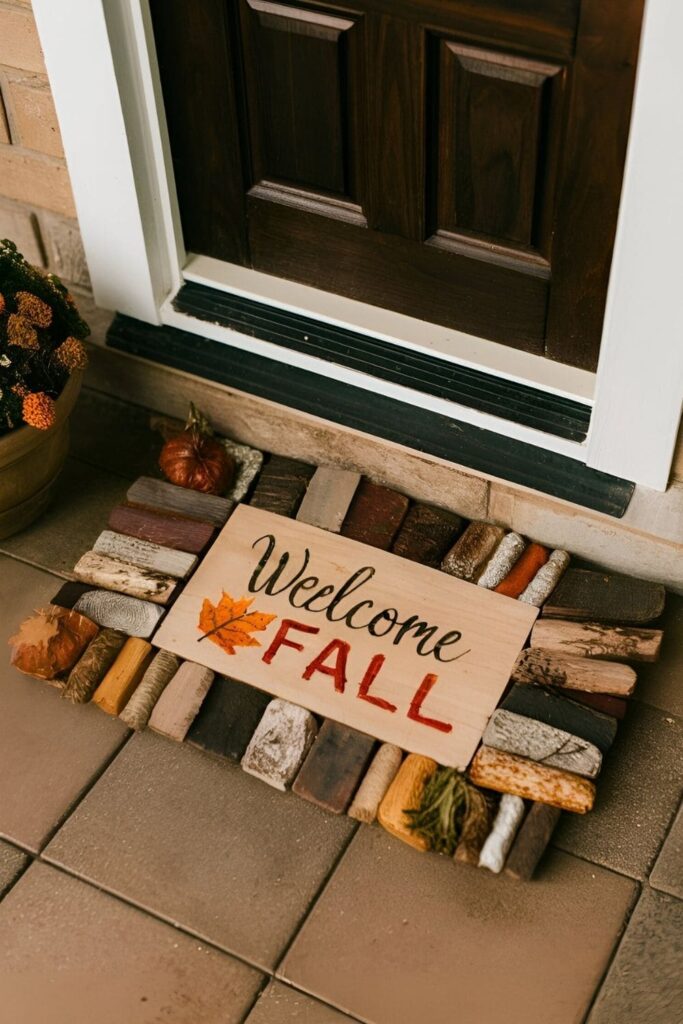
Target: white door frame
{"points": [[102, 67]]}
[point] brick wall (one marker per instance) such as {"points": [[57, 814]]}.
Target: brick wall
{"points": [[36, 205]]}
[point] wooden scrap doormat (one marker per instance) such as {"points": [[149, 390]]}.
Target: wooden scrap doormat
{"points": [[454, 681]]}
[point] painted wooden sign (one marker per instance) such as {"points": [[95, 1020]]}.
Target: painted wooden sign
{"points": [[394, 649]]}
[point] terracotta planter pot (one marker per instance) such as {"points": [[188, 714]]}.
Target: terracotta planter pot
{"points": [[30, 462]]}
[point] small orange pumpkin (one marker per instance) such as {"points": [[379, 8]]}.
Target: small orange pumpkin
{"points": [[195, 459]]}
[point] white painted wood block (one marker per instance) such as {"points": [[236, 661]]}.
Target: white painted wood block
{"points": [[145, 554], [501, 562], [280, 743], [499, 840], [124, 577], [527, 737], [117, 611], [179, 704], [328, 497], [546, 579], [249, 462]]}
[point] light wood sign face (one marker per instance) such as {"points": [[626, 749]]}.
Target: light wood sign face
{"points": [[405, 653]]}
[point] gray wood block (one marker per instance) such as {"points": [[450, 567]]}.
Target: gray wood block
{"points": [[280, 743], [124, 577], [539, 703], [530, 738], [531, 841], [129, 615], [145, 554], [158, 494], [179, 704], [328, 497], [595, 640], [546, 579], [248, 461], [334, 767]]}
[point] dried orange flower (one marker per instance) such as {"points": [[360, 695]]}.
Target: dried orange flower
{"points": [[20, 389], [34, 309], [20, 332], [38, 410], [72, 355]]}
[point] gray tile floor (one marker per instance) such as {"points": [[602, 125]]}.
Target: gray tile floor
{"points": [[145, 881]]}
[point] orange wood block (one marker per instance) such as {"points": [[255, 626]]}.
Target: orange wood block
{"points": [[404, 794], [524, 570], [118, 685]]}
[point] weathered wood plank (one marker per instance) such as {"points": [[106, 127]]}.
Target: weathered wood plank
{"points": [[280, 744], [499, 840], [328, 497], [603, 702], [124, 578], [120, 681], [507, 773], [594, 640], [118, 611], [470, 553], [183, 501], [426, 534], [334, 767], [405, 794], [531, 841], [94, 663], [605, 597], [228, 717], [376, 781], [537, 665], [502, 560], [281, 485], [158, 674], [576, 719], [530, 738], [546, 579], [179, 704], [166, 530], [375, 515], [523, 571], [144, 554]]}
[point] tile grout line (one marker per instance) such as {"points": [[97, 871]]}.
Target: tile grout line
{"points": [[36, 565], [617, 946]]}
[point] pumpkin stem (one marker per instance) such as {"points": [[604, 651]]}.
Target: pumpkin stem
{"points": [[198, 422]]}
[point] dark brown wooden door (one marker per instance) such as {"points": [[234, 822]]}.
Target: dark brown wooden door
{"points": [[459, 161]]}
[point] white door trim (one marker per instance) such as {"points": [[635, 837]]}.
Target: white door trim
{"points": [[105, 85]]}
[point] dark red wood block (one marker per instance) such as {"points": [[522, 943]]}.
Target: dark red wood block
{"points": [[170, 531], [426, 534], [281, 485], [334, 767], [605, 597], [375, 515], [603, 702]]}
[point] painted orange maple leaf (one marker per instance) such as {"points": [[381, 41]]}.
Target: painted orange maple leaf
{"points": [[230, 623]]}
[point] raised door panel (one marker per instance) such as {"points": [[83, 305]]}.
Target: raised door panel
{"points": [[498, 124], [302, 98]]}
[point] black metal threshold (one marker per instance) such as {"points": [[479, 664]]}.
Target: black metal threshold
{"points": [[430, 374], [486, 452]]}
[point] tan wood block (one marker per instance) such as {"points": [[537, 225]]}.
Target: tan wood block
{"points": [[328, 497], [507, 773], [178, 705], [158, 674], [166, 497], [594, 640], [378, 778], [470, 553], [145, 554], [118, 685], [124, 578], [548, 668], [404, 794]]}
